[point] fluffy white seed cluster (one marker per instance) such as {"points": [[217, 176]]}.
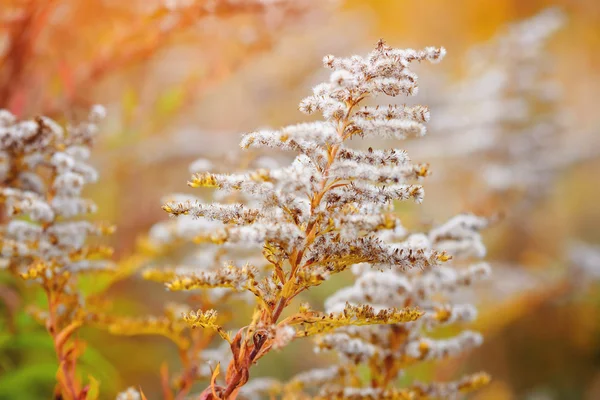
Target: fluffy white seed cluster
{"points": [[431, 290], [354, 187], [192, 242], [130, 393], [44, 169], [451, 390]]}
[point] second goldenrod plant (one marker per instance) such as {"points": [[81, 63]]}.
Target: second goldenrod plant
{"points": [[44, 233]]}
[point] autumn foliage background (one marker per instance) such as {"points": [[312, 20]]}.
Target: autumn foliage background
{"points": [[181, 86]]}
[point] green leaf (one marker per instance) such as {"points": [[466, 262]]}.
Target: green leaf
{"points": [[36, 346], [32, 341], [94, 363], [33, 381]]}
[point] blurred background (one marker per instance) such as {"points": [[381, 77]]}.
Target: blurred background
{"points": [[517, 135]]}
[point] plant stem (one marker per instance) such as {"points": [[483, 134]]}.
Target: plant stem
{"points": [[69, 387]]}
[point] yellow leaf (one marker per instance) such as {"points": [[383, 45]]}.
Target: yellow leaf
{"points": [[315, 322], [213, 380], [93, 389], [288, 289]]}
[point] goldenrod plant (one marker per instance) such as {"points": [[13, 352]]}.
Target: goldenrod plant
{"points": [[329, 211], [44, 233], [303, 264]]}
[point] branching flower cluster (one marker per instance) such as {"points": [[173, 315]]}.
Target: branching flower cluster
{"points": [[43, 239], [330, 210], [387, 350]]}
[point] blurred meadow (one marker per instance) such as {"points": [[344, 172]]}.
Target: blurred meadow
{"points": [[179, 83]]}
